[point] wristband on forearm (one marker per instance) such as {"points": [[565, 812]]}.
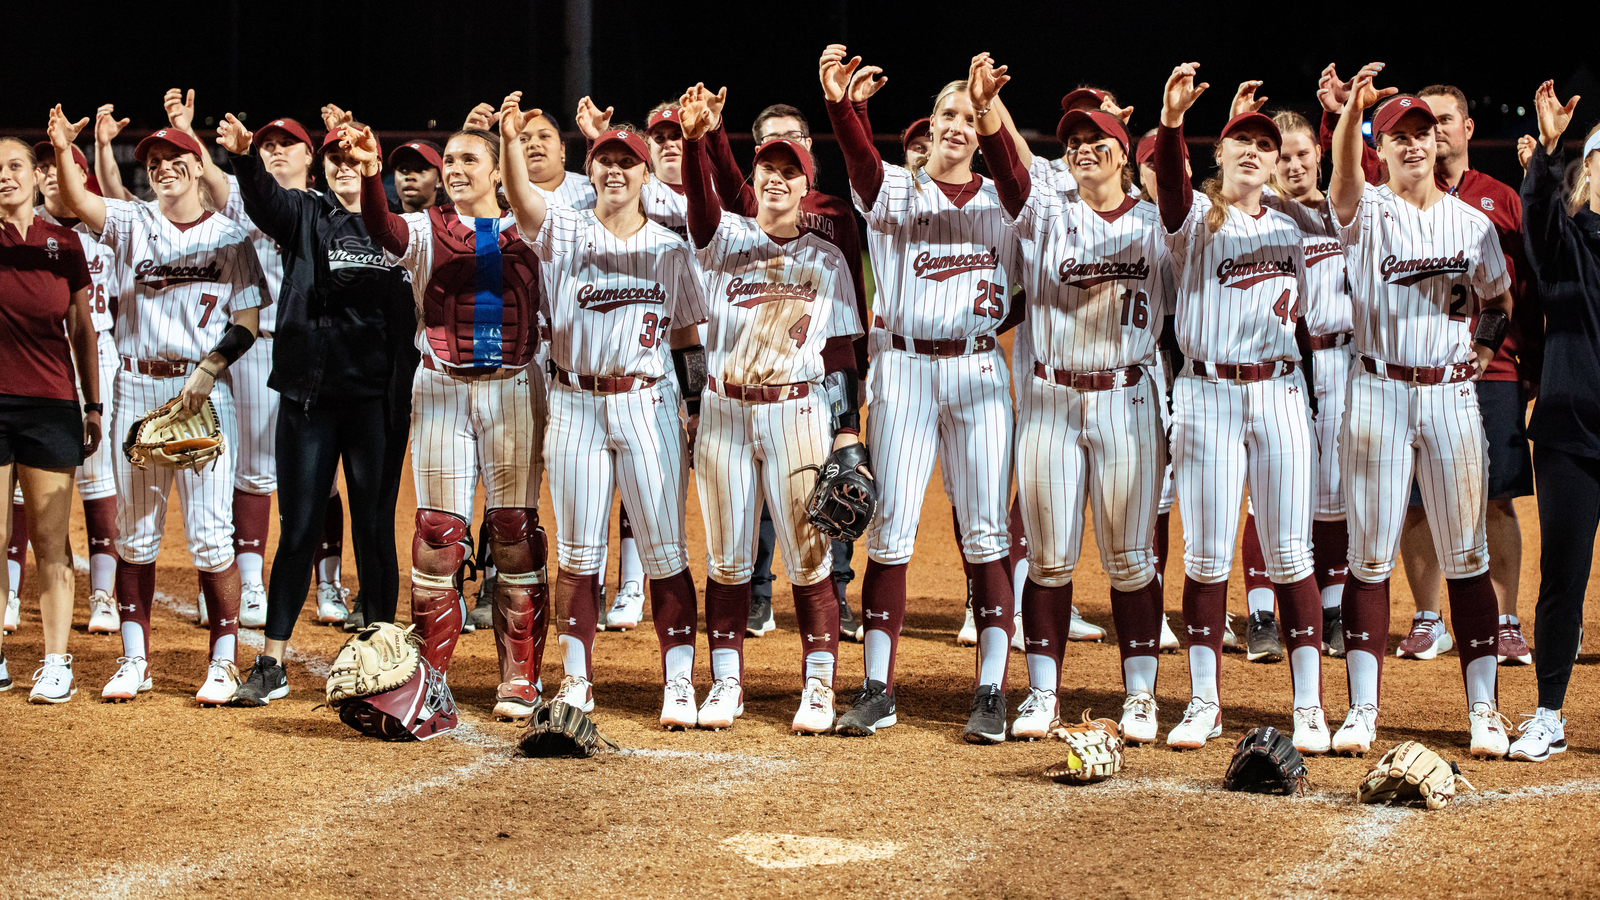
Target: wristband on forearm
{"points": [[842, 389], [1493, 326], [235, 341], [689, 363]]}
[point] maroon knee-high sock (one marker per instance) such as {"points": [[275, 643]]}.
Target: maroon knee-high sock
{"points": [[1205, 612], [817, 608], [332, 543], [1475, 617], [672, 607], [100, 518], [1300, 606], [994, 604], [1255, 561], [577, 615], [252, 514], [1019, 535], [1364, 612], [222, 603], [1330, 548], [1163, 543], [136, 590], [1046, 621], [883, 602], [727, 614], [1137, 618], [17, 550]]}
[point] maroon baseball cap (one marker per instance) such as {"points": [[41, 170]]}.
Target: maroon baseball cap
{"points": [[801, 154], [171, 136], [1147, 149], [920, 128], [1083, 98], [668, 116], [1390, 113], [1098, 118], [45, 152], [287, 126], [620, 137], [427, 151], [1260, 120]]}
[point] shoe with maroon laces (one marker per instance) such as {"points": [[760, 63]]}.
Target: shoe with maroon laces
{"points": [[1428, 638], [1509, 647]]}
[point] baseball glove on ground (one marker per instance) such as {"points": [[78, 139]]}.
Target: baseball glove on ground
{"points": [[1412, 772], [560, 729], [1094, 752], [381, 658], [844, 500], [1265, 762], [173, 437]]}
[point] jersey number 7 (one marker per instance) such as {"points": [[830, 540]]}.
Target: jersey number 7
{"points": [[209, 302]]}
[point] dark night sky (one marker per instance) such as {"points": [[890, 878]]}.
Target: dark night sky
{"points": [[399, 65]]}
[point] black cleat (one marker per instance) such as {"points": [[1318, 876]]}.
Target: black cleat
{"points": [[849, 626], [266, 681], [482, 613], [1332, 632], [760, 617], [873, 709], [1262, 643], [357, 619], [987, 724]]}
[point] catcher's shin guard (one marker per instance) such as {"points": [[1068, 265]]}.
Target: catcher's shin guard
{"points": [[521, 620], [437, 552]]}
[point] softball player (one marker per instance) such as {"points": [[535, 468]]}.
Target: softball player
{"points": [[1418, 258], [1239, 404], [938, 384], [777, 294], [191, 313], [478, 406]]}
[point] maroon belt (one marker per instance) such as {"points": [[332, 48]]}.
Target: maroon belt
{"points": [[158, 368], [1089, 381], [759, 393], [1242, 372], [604, 384], [1329, 341], [458, 371], [983, 343], [1419, 374]]}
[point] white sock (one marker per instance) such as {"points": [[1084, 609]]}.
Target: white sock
{"points": [[679, 662], [877, 655], [1428, 616], [1333, 596], [819, 664], [629, 566], [993, 647], [226, 647], [1019, 580], [1305, 664], [103, 572], [1203, 673], [328, 570], [1362, 668], [15, 568], [1508, 620], [573, 656], [1259, 600], [1042, 672], [132, 640], [724, 663], [249, 568], [1480, 681], [1139, 674]]}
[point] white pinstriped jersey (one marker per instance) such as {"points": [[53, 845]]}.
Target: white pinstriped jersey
{"points": [[1327, 289], [1241, 289], [1098, 290], [574, 192], [772, 306], [418, 261], [108, 279], [186, 283], [268, 253], [942, 272], [664, 205], [611, 301], [1417, 276]]}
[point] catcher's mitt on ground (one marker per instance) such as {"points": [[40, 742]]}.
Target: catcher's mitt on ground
{"points": [[1094, 752], [381, 686], [1265, 762], [844, 500], [1412, 772], [561, 729], [173, 437]]}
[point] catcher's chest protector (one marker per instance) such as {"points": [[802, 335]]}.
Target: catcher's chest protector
{"points": [[475, 312], [423, 706]]}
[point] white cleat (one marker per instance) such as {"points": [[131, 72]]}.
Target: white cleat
{"points": [[576, 691], [627, 609], [203, 618], [1139, 718], [1082, 630], [724, 704], [13, 612], [1169, 640], [53, 682], [1036, 716], [1543, 735], [1202, 721], [1018, 642], [1230, 641], [132, 679], [253, 606], [331, 608], [1489, 738], [222, 682], [968, 635], [815, 715], [677, 705], [1311, 731], [103, 616], [1359, 730]]}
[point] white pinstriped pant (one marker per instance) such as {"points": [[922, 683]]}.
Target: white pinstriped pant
{"points": [[487, 425], [256, 407], [958, 408], [97, 477], [1109, 445], [1331, 368], [632, 442], [746, 451], [1392, 428], [142, 494], [1226, 434]]}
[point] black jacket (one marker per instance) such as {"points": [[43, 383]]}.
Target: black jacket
{"points": [[342, 313], [1565, 253]]}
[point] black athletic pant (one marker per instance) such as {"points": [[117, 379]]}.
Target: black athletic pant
{"points": [[1568, 488], [310, 446]]}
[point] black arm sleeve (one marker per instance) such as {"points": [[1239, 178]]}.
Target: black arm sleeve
{"points": [[235, 341]]}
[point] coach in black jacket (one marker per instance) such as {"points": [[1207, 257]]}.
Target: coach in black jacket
{"points": [[342, 317]]}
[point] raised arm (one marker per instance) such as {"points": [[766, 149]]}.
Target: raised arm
{"points": [[214, 188], [106, 129], [1348, 181], [1545, 222], [526, 203], [999, 146], [1174, 196], [865, 83], [389, 230], [272, 207], [705, 213], [69, 178], [861, 159], [1332, 94], [737, 196]]}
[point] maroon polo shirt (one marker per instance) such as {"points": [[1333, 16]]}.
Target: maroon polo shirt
{"points": [[38, 276]]}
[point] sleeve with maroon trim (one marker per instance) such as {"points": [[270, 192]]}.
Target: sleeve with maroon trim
{"points": [[1174, 193], [737, 196], [689, 306], [842, 353], [1011, 180], [705, 213], [1490, 277], [122, 222], [558, 233], [861, 160], [859, 107], [242, 271], [388, 229], [1371, 166]]}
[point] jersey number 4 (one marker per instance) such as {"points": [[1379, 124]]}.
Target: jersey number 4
{"points": [[1286, 309], [990, 302], [1135, 309]]}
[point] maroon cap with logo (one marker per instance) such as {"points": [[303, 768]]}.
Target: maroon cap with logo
{"points": [[801, 154], [1147, 149], [921, 128], [172, 137], [620, 138], [668, 116], [1083, 98], [426, 150], [1098, 118], [1259, 120], [1390, 113], [287, 126], [45, 152]]}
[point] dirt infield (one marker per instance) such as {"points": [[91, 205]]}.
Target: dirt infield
{"points": [[160, 799]]}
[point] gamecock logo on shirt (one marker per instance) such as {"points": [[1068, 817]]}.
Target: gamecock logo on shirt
{"points": [[1244, 273], [1316, 253], [1411, 271], [746, 294], [160, 276], [604, 300], [939, 268], [1088, 274]]}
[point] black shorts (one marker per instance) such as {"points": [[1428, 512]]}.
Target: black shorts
{"points": [[1505, 419], [40, 433]]}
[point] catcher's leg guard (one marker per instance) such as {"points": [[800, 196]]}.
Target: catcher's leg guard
{"points": [[437, 552], [521, 619]]}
